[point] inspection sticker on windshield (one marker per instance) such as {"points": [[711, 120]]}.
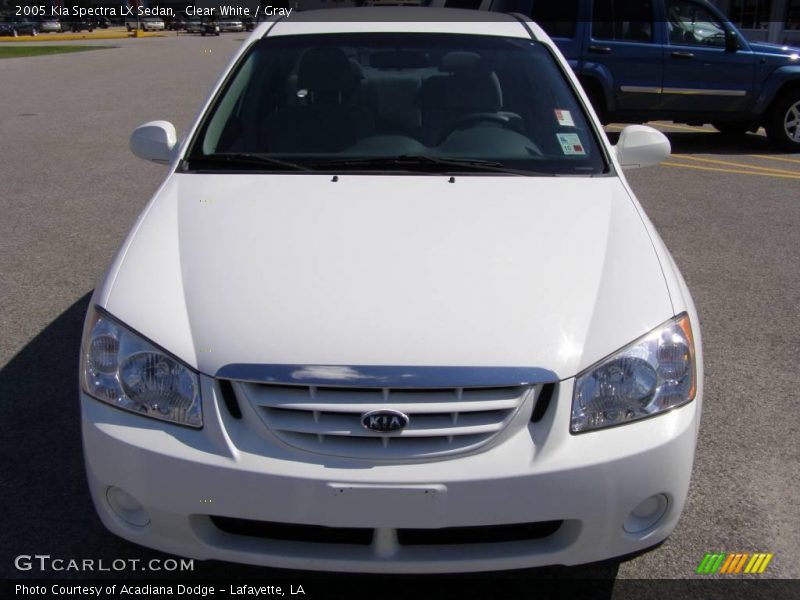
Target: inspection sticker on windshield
{"points": [[564, 118], [570, 144]]}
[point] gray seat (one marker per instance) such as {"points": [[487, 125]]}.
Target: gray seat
{"points": [[394, 97], [324, 115], [469, 87]]}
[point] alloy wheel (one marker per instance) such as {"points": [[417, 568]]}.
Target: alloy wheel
{"points": [[791, 122]]}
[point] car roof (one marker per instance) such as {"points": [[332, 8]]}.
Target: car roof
{"points": [[400, 20]]}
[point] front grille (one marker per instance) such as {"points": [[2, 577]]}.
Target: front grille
{"points": [[479, 534], [294, 533], [327, 420], [483, 534]]}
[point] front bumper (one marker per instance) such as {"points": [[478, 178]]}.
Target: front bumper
{"points": [[591, 482]]}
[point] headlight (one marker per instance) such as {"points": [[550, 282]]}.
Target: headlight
{"points": [[654, 374], [125, 370]]}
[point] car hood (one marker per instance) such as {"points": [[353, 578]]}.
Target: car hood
{"points": [[789, 52], [548, 273]]}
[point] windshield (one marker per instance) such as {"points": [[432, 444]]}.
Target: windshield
{"points": [[378, 102]]}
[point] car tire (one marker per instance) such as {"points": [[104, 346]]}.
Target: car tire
{"points": [[731, 128], [783, 122], [129, 28]]}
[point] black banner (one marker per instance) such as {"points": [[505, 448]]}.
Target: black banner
{"points": [[465, 587]]}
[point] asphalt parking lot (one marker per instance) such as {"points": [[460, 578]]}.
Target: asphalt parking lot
{"points": [[728, 208]]}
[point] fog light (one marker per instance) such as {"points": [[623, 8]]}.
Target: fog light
{"points": [[126, 507], [646, 514]]}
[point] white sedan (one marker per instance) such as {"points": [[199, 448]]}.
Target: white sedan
{"points": [[230, 25], [394, 308], [50, 26]]}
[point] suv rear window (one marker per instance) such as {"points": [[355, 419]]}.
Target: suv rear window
{"points": [[622, 20], [558, 19]]}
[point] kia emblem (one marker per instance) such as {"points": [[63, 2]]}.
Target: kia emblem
{"points": [[384, 421]]}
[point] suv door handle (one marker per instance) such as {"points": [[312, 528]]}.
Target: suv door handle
{"points": [[600, 49], [684, 55]]}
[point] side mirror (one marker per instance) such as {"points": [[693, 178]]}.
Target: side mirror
{"points": [[641, 146], [731, 41], [154, 141]]}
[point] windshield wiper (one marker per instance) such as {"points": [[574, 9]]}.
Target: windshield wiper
{"points": [[245, 158], [421, 163]]}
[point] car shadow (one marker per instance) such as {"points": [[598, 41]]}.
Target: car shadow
{"points": [[42, 470], [48, 509]]}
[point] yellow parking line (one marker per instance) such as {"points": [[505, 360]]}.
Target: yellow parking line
{"points": [[733, 164], [659, 123], [683, 127], [768, 157], [739, 171]]}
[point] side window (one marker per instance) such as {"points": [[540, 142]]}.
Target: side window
{"points": [[691, 24], [752, 14], [793, 15], [558, 19], [623, 20]]}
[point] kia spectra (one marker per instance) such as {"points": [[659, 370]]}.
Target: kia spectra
{"points": [[395, 308]]}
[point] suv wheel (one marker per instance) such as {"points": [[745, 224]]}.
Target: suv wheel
{"points": [[783, 123], [731, 127]]}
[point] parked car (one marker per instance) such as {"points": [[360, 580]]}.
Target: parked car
{"points": [[152, 24], [145, 24], [50, 26], [398, 310], [203, 26], [102, 22], [78, 24], [194, 26], [177, 24], [209, 27], [249, 23], [16, 26], [230, 25], [681, 60]]}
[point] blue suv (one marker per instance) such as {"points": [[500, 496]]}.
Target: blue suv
{"points": [[682, 60]]}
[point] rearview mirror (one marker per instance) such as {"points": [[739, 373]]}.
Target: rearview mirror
{"points": [[154, 141], [641, 146]]}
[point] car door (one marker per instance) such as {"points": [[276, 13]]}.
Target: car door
{"points": [[626, 44], [700, 73]]}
